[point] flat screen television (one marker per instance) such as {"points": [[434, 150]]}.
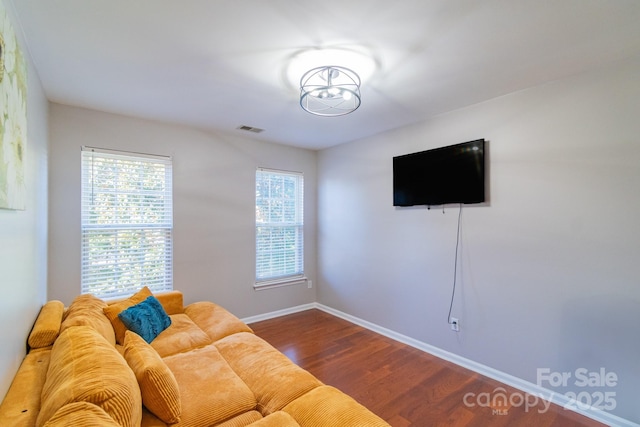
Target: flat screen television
{"points": [[452, 174]]}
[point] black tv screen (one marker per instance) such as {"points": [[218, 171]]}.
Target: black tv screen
{"points": [[453, 174]]}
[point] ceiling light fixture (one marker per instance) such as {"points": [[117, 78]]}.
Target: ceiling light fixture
{"points": [[330, 91]]}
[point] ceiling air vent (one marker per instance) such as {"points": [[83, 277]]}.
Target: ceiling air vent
{"points": [[250, 129]]}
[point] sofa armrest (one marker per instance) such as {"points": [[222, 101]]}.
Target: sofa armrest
{"points": [[47, 326], [21, 405], [172, 301]]}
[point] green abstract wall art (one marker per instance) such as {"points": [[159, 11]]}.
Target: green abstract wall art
{"points": [[13, 117]]}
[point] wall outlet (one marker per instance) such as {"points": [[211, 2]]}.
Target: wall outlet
{"points": [[455, 324], [309, 284]]}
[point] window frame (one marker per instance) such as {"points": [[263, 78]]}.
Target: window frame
{"points": [[298, 276], [132, 245]]}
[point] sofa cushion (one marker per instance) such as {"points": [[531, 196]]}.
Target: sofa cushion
{"points": [[86, 310], [328, 403], [47, 326], [277, 419], [85, 367], [272, 377], [146, 318], [158, 386], [215, 320], [81, 414], [112, 310], [183, 335], [210, 391], [242, 420]]}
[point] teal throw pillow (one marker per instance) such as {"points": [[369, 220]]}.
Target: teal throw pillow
{"points": [[146, 318]]}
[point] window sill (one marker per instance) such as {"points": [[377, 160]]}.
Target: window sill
{"points": [[278, 283]]}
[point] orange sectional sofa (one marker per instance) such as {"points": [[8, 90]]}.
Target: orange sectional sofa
{"points": [[207, 368]]}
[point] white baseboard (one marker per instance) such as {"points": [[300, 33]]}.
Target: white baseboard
{"points": [[279, 313], [510, 380]]}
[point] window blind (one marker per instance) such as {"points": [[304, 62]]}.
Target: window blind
{"points": [[279, 226], [127, 223]]}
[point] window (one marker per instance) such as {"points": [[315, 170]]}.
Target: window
{"points": [[127, 223], [279, 228]]}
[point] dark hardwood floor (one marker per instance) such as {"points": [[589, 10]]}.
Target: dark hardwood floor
{"points": [[403, 385]]}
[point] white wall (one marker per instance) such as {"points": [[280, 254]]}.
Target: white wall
{"points": [[214, 206], [550, 269], [23, 234]]}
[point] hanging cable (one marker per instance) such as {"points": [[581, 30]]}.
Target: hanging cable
{"points": [[455, 265]]}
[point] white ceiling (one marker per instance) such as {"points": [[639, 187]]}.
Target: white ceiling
{"points": [[219, 64]]}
